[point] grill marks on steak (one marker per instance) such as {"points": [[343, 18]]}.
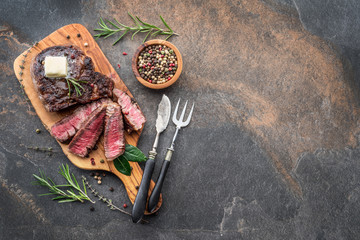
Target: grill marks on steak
{"points": [[54, 91], [133, 116], [86, 138], [114, 138], [67, 127]]}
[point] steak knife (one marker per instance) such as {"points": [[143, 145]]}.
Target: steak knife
{"points": [[163, 116]]}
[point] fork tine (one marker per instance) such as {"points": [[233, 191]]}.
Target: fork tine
{"points": [[175, 112], [183, 113], [189, 117]]}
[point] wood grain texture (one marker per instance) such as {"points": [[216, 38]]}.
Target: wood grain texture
{"points": [[59, 37]]}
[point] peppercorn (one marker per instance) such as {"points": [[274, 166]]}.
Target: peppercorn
{"points": [[125, 205], [68, 36], [92, 208], [111, 189], [102, 161], [156, 64], [104, 174], [136, 187], [97, 174], [38, 131], [124, 53], [92, 174], [78, 35]]}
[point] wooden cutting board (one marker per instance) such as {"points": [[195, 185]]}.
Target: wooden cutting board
{"points": [[22, 70]]}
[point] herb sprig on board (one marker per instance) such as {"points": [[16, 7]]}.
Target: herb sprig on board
{"points": [[132, 154], [140, 27], [76, 85], [68, 195]]}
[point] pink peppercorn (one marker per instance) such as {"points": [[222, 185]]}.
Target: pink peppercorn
{"points": [[92, 85], [149, 64], [162, 56], [152, 67], [150, 51], [169, 78], [118, 65], [170, 68], [150, 81], [125, 205], [124, 53]]}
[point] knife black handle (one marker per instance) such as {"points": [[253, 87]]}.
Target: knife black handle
{"points": [[155, 195], [141, 197]]}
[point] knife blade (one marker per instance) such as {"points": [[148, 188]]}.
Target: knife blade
{"points": [[162, 120]]}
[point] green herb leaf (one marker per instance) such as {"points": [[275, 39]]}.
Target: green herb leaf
{"points": [[122, 165], [106, 31], [133, 154]]}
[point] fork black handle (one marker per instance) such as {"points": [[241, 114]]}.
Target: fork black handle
{"points": [[155, 195], [141, 197]]}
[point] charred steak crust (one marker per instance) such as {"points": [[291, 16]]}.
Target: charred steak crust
{"points": [[66, 128], [87, 136], [134, 118], [114, 137], [54, 91]]}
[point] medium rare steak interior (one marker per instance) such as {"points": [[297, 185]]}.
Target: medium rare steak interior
{"points": [[54, 92], [134, 118], [87, 136], [67, 127], [114, 138]]}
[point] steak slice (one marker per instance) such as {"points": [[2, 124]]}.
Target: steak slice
{"points": [[54, 92], [87, 136], [134, 118], [66, 128], [114, 137]]}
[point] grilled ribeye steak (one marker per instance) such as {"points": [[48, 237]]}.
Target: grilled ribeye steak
{"points": [[54, 92], [90, 131], [134, 118], [66, 128], [114, 137]]}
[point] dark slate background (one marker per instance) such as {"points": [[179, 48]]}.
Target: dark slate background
{"points": [[267, 156]]}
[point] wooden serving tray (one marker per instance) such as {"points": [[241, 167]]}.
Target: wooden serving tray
{"points": [[22, 70]]}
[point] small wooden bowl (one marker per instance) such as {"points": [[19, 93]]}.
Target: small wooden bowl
{"points": [[155, 85]]}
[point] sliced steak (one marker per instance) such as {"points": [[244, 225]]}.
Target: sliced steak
{"points": [[67, 127], [54, 92], [134, 118], [114, 138], [87, 136]]}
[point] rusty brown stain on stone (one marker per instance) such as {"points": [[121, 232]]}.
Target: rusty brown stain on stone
{"points": [[261, 70], [25, 199]]}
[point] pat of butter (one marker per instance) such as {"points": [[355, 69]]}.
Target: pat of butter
{"points": [[55, 67]]}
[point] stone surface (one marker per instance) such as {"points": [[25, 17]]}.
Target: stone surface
{"points": [[271, 152]]}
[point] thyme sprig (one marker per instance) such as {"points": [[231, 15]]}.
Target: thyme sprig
{"points": [[106, 200], [68, 195], [140, 26], [76, 84]]}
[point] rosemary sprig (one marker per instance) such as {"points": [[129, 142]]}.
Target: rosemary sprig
{"points": [[106, 200], [68, 195], [140, 26], [76, 84]]}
